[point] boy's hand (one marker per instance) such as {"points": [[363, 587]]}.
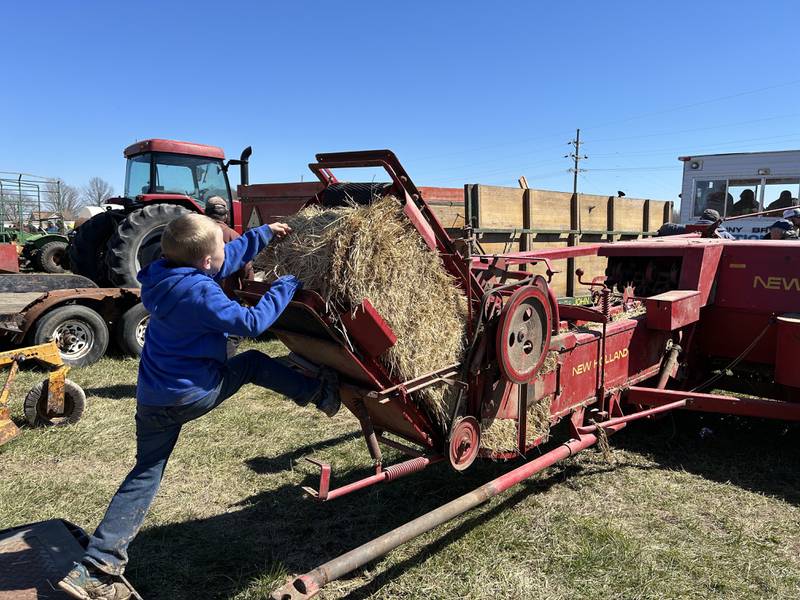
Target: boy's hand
{"points": [[280, 230]]}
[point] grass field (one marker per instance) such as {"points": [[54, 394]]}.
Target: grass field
{"points": [[676, 516]]}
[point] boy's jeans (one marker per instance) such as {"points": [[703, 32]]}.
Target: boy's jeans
{"points": [[157, 429]]}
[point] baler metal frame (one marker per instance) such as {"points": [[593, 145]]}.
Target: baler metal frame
{"points": [[643, 330]]}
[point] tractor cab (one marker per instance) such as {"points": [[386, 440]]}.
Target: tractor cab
{"points": [[164, 179], [176, 172]]}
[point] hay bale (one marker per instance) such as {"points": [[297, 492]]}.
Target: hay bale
{"points": [[351, 253]]}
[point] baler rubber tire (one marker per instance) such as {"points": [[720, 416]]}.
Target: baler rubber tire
{"points": [[127, 328], [82, 316], [122, 256], [35, 404], [46, 258], [87, 250]]}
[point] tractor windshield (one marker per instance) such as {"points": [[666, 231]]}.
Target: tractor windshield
{"points": [[194, 176]]}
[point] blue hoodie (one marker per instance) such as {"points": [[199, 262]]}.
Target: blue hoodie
{"points": [[190, 318]]}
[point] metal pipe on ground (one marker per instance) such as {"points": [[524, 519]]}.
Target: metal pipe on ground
{"points": [[309, 584]]}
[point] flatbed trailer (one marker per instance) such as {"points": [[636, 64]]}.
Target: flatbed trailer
{"points": [[80, 317]]}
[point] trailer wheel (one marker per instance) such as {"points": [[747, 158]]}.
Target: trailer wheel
{"points": [[79, 332], [131, 328], [87, 250], [137, 242], [52, 257], [35, 405]]}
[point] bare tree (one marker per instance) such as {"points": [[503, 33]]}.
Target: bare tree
{"points": [[97, 191], [63, 199], [10, 207]]}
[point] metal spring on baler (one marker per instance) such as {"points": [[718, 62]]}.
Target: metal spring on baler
{"points": [[605, 297], [406, 468]]}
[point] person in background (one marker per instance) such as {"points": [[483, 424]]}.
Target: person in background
{"points": [[719, 201], [783, 201], [668, 229], [217, 210], [793, 216], [711, 216], [781, 229], [747, 204]]}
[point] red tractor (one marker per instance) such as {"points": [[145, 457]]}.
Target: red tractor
{"points": [[163, 180]]}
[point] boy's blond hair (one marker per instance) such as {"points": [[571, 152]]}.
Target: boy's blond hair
{"points": [[189, 238]]}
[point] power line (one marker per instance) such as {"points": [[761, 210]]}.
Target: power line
{"points": [[711, 146], [623, 120], [701, 103], [661, 168], [694, 129], [494, 159]]}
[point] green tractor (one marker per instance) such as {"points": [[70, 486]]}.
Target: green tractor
{"points": [[46, 252], [22, 222], [40, 252]]}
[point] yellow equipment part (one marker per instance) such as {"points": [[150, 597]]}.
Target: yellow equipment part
{"points": [[46, 354]]}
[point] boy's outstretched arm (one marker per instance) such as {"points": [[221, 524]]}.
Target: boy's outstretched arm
{"points": [[220, 313], [245, 248]]}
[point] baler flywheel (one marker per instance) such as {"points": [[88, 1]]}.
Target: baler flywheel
{"points": [[523, 334]]}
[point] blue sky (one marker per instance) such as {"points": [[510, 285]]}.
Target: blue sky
{"points": [[463, 92]]}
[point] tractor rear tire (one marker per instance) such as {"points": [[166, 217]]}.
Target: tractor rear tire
{"points": [[131, 328], [52, 257], [137, 242], [35, 405], [87, 251], [80, 333]]}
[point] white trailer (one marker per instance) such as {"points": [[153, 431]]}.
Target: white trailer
{"points": [[738, 184]]}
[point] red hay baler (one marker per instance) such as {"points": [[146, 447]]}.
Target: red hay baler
{"points": [[671, 319]]}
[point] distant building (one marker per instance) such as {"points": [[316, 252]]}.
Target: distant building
{"points": [[43, 215]]}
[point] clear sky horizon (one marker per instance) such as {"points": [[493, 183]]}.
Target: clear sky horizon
{"points": [[463, 92]]}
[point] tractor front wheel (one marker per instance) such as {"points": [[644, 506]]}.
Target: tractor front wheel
{"points": [[35, 405], [52, 257], [137, 242], [87, 250]]}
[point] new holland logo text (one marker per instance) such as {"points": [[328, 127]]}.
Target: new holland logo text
{"points": [[785, 284], [591, 365]]}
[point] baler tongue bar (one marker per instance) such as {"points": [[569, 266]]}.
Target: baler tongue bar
{"points": [[309, 584]]}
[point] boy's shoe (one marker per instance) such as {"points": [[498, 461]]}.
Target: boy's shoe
{"points": [[329, 401], [85, 583]]}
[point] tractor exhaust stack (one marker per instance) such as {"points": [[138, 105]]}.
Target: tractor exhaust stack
{"points": [[244, 165]]}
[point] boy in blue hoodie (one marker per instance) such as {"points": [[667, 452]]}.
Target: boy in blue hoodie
{"points": [[184, 373]]}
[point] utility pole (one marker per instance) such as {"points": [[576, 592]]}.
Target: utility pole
{"points": [[575, 208], [576, 157]]}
